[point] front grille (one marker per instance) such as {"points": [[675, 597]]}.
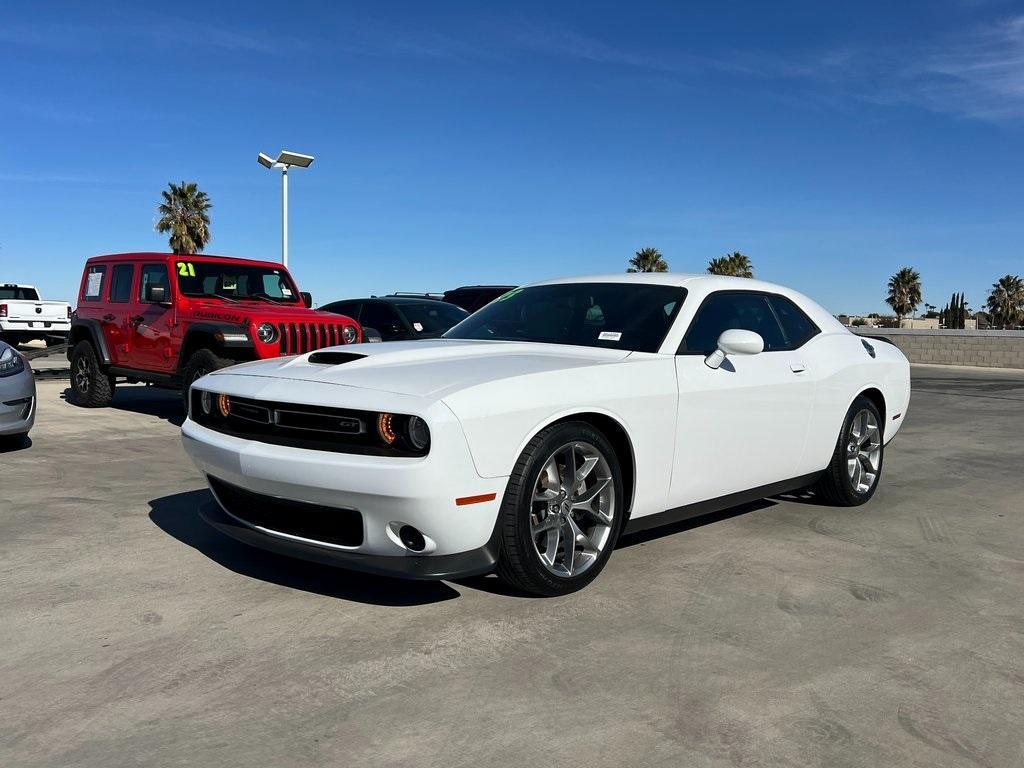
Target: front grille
{"points": [[314, 427], [331, 525], [299, 338]]}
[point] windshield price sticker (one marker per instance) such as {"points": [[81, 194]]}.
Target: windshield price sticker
{"points": [[609, 336], [186, 269]]}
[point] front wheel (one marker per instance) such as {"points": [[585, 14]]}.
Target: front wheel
{"points": [[92, 386], [853, 474], [562, 512]]}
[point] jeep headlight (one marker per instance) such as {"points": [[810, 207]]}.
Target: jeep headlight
{"points": [[266, 333], [348, 334], [11, 362]]}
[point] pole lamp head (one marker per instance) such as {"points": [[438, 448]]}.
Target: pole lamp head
{"points": [[265, 160]]}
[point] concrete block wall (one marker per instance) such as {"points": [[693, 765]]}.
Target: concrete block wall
{"points": [[988, 349]]}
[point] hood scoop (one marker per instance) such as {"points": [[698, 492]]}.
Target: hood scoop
{"points": [[334, 358]]}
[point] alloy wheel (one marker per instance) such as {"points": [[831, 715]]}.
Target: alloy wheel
{"points": [[572, 509], [863, 451], [83, 375]]}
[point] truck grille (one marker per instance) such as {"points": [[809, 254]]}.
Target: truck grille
{"points": [[331, 525], [299, 338]]}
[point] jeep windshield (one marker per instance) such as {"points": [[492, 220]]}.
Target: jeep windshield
{"points": [[629, 316], [235, 282]]}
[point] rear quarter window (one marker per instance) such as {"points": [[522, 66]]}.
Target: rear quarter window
{"points": [[797, 326], [95, 281]]}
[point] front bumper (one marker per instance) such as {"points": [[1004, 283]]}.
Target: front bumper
{"points": [[427, 567], [387, 492], [17, 403]]}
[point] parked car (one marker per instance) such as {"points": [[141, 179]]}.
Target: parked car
{"points": [[473, 297], [170, 319], [17, 397], [26, 317], [541, 428], [399, 318]]}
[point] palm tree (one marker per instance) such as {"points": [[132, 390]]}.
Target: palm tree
{"points": [[732, 265], [648, 260], [1006, 301], [184, 213], [904, 293]]}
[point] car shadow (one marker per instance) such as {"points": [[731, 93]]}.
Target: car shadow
{"points": [[150, 401], [178, 516], [803, 496], [496, 586], [12, 445]]}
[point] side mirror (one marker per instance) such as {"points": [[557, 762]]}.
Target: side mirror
{"points": [[307, 298], [371, 335], [735, 342], [156, 294]]}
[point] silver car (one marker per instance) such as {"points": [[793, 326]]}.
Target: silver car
{"points": [[17, 396]]}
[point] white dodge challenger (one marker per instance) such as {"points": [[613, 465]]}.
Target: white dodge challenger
{"points": [[544, 426]]}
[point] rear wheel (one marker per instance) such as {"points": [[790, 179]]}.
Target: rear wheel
{"points": [[92, 386], [856, 467], [562, 511], [202, 362]]}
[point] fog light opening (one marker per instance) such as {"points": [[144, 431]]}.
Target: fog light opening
{"points": [[411, 538]]}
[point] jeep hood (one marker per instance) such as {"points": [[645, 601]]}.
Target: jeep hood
{"points": [[429, 368]]}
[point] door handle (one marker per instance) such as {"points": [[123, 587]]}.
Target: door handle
{"points": [[108, 318], [797, 367], [137, 320]]}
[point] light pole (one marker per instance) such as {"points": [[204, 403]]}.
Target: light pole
{"points": [[284, 161]]}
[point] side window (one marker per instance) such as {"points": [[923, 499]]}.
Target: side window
{"points": [[154, 275], [95, 277], [797, 326], [379, 316], [121, 283], [724, 311]]}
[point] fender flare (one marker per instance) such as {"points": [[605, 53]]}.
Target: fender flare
{"points": [[94, 331], [213, 329]]}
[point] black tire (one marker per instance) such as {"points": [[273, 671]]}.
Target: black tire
{"points": [[836, 486], [519, 563], [202, 362], [93, 386]]}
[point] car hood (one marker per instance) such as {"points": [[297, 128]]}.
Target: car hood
{"points": [[243, 311], [429, 368]]}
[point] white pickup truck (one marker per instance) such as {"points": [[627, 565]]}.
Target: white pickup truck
{"points": [[24, 316]]}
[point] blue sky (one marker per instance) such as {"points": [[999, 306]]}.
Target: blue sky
{"points": [[482, 142]]}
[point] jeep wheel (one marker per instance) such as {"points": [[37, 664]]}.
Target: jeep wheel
{"points": [[202, 362], [92, 386]]}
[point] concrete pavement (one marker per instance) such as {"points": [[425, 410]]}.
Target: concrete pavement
{"points": [[783, 633]]}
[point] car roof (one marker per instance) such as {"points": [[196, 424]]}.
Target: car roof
{"points": [[680, 279], [161, 256], [398, 300]]}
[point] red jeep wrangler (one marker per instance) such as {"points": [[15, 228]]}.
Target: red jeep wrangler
{"points": [[170, 318]]}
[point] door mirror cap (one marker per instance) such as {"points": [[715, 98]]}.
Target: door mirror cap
{"points": [[307, 298], [156, 294], [735, 342]]}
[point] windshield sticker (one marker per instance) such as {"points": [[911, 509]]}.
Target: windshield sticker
{"points": [[186, 269], [286, 291], [230, 283], [609, 336], [509, 295], [92, 284], [418, 326]]}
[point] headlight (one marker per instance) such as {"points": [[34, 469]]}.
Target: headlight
{"points": [[206, 402], [386, 428], [348, 334], [11, 362], [266, 333], [418, 433]]}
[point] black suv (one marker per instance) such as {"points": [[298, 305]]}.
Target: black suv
{"points": [[400, 318]]}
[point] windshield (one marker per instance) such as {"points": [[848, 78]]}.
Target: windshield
{"points": [[218, 278], [628, 316], [432, 316], [18, 293]]}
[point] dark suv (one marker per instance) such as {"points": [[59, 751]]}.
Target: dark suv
{"points": [[400, 318]]}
